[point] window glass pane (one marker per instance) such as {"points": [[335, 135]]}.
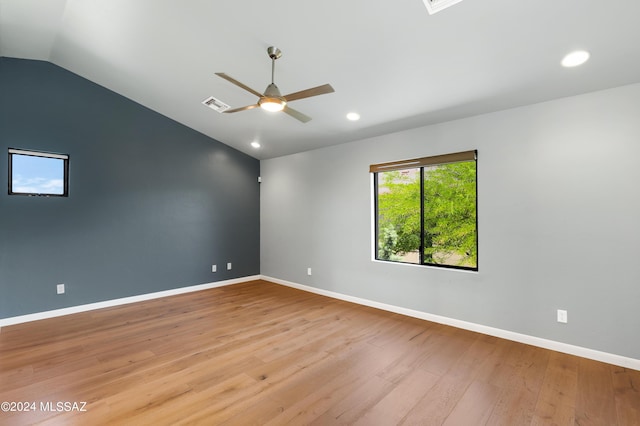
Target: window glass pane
{"points": [[398, 215], [37, 175], [450, 215]]}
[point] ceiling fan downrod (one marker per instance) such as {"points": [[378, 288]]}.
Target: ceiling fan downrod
{"points": [[274, 53]]}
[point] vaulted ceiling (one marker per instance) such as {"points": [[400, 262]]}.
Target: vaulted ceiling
{"points": [[390, 61]]}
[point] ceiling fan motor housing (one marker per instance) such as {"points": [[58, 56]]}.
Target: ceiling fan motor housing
{"points": [[272, 99], [273, 91]]}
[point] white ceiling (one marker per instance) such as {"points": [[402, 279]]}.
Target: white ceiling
{"points": [[391, 61]]}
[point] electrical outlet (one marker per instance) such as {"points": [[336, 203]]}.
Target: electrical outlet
{"points": [[308, 271], [214, 268], [562, 316], [229, 266], [60, 289]]}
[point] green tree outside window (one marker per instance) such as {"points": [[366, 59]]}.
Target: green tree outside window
{"points": [[445, 196]]}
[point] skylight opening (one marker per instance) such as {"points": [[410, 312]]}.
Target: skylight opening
{"points": [[434, 6]]}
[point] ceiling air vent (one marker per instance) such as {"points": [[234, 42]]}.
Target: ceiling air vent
{"points": [[215, 104], [434, 6]]}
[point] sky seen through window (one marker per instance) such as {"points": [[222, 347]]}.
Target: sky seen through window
{"points": [[37, 175]]}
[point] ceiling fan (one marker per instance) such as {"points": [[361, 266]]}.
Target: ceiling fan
{"points": [[271, 99]]}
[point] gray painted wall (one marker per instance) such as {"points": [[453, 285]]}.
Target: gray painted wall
{"points": [[152, 203], [558, 212]]}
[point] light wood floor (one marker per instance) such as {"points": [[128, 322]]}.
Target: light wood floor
{"points": [[259, 353]]}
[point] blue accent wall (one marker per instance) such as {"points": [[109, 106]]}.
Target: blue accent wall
{"points": [[152, 204]]}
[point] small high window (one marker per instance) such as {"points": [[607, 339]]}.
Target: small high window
{"points": [[38, 173], [425, 211]]}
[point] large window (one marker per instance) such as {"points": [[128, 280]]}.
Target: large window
{"points": [[38, 173], [426, 211]]}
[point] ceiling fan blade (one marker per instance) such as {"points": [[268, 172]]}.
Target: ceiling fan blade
{"points": [[315, 91], [242, 109], [237, 83], [296, 114]]}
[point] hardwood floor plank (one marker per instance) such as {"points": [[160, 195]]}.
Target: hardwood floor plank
{"points": [[391, 409], [557, 397], [514, 407], [485, 360], [595, 403], [451, 348], [626, 389], [475, 406], [415, 352], [520, 379], [354, 406], [548, 414], [283, 372], [438, 403], [259, 410]]}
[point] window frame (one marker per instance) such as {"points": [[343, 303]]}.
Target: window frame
{"points": [[421, 164], [42, 154]]}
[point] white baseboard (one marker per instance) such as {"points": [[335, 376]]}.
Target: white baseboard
{"points": [[491, 331], [123, 301]]}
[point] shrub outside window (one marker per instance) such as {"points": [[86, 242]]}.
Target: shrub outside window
{"points": [[426, 211]]}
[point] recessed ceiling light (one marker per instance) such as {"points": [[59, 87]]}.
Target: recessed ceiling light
{"points": [[255, 144], [353, 116], [576, 58]]}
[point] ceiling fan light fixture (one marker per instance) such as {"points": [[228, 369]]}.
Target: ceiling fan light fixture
{"points": [[272, 104]]}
